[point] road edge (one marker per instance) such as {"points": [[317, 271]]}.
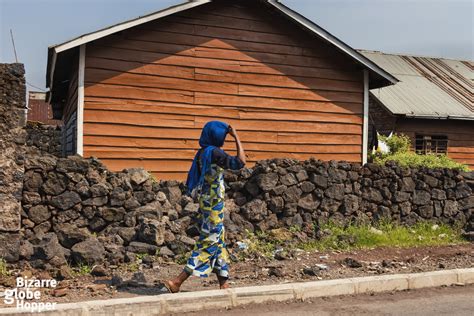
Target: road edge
{"points": [[221, 299]]}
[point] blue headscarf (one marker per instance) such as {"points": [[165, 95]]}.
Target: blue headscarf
{"points": [[212, 136]]}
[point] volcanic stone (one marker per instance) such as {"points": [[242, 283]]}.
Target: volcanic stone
{"points": [[173, 194], [307, 186], [85, 193], [319, 180], [276, 204], [32, 198], [151, 231], [431, 181], [267, 181], [97, 224], [140, 247], [401, 196], [9, 245], [252, 188], [99, 189], [408, 185], [292, 194], [268, 223], [127, 234], [49, 248], [308, 202], [335, 191], [372, 195], [255, 210], [350, 204], [33, 181], [89, 251], [39, 214], [302, 175], [288, 179], [112, 214], [56, 183], [438, 194], [69, 235], [421, 197], [450, 208], [425, 211], [66, 200], [278, 190], [137, 175], [463, 191]]}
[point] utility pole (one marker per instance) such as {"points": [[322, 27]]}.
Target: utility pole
{"points": [[13, 42]]}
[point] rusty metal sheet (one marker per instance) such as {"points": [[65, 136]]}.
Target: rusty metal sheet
{"points": [[39, 110], [429, 87]]}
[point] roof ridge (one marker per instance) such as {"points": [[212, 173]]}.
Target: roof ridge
{"points": [[369, 51]]}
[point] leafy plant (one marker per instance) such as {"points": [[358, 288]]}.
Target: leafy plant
{"points": [[133, 267], [399, 152], [140, 256], [183, 259], [4, 272], [82, 269], [258, 244], [410, 159], [295, 229], [397, 143]]}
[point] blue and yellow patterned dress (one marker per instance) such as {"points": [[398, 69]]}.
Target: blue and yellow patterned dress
{"points": [[210, 252]]}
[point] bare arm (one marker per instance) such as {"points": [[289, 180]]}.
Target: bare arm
{"points": [[240, 149]]}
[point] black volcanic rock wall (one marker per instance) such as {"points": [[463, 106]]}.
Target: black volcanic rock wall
{"points": [[74, 209], [12, 140]]}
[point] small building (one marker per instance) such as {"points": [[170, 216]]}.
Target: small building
{"points": [[433, 104], [39, 110], [137, 94]]}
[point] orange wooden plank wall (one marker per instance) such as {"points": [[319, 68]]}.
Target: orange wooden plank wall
{"points": [[460, 136], [149, 91]]}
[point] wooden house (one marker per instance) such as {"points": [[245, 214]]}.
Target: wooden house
{"points": [[139, 92], [433, 104]]}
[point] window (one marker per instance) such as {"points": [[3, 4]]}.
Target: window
{"points": [[431, 144]]}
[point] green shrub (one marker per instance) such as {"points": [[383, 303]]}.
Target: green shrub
{"points": [[398, 143], [399, 152], [411, 159]]}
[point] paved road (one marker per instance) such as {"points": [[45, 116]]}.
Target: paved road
{"points": [[451, 301]]}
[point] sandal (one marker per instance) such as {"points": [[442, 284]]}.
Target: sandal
{"points": [[169, 287]]}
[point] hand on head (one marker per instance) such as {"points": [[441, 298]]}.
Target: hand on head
{"points": [[232, 131]]}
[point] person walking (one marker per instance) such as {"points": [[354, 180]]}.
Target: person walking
{"points": [[206, 181]]}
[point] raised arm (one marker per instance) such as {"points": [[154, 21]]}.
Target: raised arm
{"points": [[238, 144]]}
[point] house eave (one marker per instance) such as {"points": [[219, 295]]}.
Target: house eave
{"points": [[437, 117]]}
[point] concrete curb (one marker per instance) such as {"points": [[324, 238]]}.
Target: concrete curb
{"points": [[203, 300]]}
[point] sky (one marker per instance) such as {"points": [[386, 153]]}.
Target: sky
{"points": [[438, 28]]}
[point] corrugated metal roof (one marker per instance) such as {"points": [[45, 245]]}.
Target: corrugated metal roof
{"points": [[39, 110], [428, 87]]}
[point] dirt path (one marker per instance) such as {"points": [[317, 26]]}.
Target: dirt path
{"points": [[300, 267], [453, 301]]}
